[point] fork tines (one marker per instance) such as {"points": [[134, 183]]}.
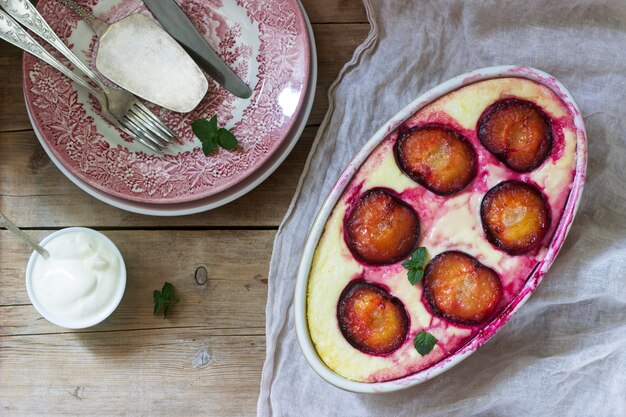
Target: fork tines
{"points": [[146, 126]]}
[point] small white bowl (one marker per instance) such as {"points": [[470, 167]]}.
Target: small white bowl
{"points": [[105, 312]]}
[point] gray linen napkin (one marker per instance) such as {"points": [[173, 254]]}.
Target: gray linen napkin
{"points": [[564, 353]]}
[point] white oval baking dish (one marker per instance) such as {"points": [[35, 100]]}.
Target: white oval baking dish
{"points": [[494, 325]]}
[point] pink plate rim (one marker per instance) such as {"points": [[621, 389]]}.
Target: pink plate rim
{"points": [[303, 41], [302, 330]]}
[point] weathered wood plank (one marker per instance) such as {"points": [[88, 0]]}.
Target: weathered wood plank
{"points": [[12, 109], [34, 193], [335, 11], [164, 372], [232, 294], [335, 45]]}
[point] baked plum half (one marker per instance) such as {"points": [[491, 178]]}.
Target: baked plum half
{"points": [[461, 289], [381, 229], [515, 217], [438, 158], [371, 319], [517, 132]]}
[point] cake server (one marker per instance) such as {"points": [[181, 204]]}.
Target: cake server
{"points": [[177, 24], [138, 55]]}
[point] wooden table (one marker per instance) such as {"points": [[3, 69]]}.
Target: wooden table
{"points": [[205, 359]]}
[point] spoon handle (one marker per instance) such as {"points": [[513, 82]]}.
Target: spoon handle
{"points": [[97, 25], [26, 14], [13, 33], [4, 221]]}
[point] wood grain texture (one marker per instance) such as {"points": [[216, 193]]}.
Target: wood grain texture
{"points": [[12, 109], [205, 359], [232, 297], [335, 11], [335, 46], [161, 372]]}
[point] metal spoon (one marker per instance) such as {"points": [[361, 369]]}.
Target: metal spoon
{"points": [[4, 221]]}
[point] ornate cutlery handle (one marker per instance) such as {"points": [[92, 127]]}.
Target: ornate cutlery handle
{"points": [[25, 13], [96, 24], [13, 33]]}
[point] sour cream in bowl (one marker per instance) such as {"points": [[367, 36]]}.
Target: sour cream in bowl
{"points": [[81, 283]]}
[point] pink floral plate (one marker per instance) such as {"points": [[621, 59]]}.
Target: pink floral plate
{"points": [[225, 196], [264, 41]]}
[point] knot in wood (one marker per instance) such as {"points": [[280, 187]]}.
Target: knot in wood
{"points": [[201, 276], [202, 359]]}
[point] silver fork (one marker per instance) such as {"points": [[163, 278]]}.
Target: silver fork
{"points": [[118, 106]]}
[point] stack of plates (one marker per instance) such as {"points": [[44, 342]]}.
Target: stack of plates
{"points": [[268, 43]]}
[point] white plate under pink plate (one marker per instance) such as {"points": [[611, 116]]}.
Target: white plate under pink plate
{"points": [[266, 42], [225, 196]]}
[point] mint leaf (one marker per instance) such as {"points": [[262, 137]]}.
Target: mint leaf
{"points": [[164, 299], [206, 131], [407, 264], [211, 137], [226, 139], [168, 308], [209, 146], [424, 343], [415, 265], [419, 256], [158, 301], [415, 275], [167, 291], [213, 123]]}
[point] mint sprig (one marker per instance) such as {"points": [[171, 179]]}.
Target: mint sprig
{"points": [[424, 343], [164, 300], [415, 265], [211, 136]]}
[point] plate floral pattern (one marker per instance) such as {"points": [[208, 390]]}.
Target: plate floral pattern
{"points": [[266, 44]]}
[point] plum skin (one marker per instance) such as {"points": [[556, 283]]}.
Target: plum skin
{"points": [[381, 237], [495, 237], [507, 152], [365, 312], [460, 317], [430, 176]]}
